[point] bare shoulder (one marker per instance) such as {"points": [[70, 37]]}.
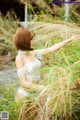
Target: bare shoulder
{"points": [[19, 62], [33, 53]]}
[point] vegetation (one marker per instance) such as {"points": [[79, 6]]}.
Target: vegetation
{"points": [[60, 73], [42, 7], [7, 30]]}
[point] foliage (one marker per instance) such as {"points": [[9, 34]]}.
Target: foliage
{"points": [[48, 102], [75, 13], [7, 102], [55, 10], [60, 73], [7, 30], [49, 1]]}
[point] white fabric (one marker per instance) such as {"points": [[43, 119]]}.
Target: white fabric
{"points": [[39, 54], [31, 69], [23, 92], [23, 52]]}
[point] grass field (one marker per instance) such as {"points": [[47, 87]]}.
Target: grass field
{"points": [[60, 73]]}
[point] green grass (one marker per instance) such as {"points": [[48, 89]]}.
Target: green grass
{"points": [[7, 102], [60, 73]]}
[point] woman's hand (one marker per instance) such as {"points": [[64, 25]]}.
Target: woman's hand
{"points": [[75, 37]]}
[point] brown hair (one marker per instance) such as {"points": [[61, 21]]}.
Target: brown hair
{"points": [[22, 39]]}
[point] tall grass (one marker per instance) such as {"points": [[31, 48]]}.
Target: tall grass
{"points": [[60, 100], [7, 30]]}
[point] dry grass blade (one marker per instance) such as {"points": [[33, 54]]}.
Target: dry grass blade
{"points": [[24, 1]]}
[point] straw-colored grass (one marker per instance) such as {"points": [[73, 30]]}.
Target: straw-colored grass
{"points": [[7, 30], [60, 100], [24, 1]]}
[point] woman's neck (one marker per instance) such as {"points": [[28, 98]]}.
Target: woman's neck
{"points": [[22, 52]]}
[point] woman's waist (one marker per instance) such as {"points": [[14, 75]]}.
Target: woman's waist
{"points": [[33, 77]]}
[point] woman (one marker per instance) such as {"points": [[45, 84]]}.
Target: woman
{"points": [[28, 60]]}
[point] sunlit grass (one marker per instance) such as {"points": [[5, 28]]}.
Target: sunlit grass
{"points": [[60, 73], [7, 30]]}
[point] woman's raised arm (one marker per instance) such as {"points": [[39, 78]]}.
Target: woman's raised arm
{"points": [[57, 46]]}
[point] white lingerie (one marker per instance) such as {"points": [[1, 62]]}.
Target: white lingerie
{"points": [[31, 71], [23, 92]]}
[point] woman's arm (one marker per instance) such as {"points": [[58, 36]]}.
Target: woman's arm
{"points": [[57, 46], [30, 86], [22, 78]]}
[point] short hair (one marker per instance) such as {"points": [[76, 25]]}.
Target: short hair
{"points": [[22, 39]]}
